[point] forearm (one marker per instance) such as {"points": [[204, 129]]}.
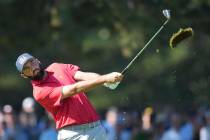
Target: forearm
{"points": [[82, 86], [91, 75], [83, 76]]}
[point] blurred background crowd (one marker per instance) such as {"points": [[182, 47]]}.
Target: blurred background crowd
{"points": [[120, 124]]}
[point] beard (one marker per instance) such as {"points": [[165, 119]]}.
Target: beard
{"points": [[39, 76]]}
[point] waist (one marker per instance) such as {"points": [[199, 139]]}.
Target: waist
{"points": [[82, 126]]}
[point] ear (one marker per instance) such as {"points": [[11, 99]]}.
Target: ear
{"points": [[22, 75]]}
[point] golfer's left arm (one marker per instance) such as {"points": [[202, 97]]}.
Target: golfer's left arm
{"points": [[84, 76]]}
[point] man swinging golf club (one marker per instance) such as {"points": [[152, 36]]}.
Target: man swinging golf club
{"points": [[60, 89]]}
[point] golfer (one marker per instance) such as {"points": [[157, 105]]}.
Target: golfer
{"points": [[60, 89]]}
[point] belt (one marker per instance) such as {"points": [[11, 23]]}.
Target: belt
{"points": [[82, 126]]}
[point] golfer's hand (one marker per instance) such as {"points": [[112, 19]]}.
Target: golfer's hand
{"points": [[113, 77]]}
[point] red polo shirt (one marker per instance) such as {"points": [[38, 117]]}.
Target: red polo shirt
{"points": [[73, 110]]}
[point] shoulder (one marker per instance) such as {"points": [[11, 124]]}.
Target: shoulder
{"points": [[68, 69], [55, 65], [60, 65]]}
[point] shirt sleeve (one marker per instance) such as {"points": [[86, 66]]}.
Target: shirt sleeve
{"points": [[49, 97], [72, 69]]}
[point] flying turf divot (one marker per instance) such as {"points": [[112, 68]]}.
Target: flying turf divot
{"points": [[180, 36]]}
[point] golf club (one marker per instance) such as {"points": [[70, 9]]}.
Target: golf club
{"points": [[167, 14]]}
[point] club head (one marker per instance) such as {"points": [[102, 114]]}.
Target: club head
{"points": [[166, 13]]}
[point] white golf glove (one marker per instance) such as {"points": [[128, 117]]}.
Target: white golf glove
{"points": [[111, 86]]}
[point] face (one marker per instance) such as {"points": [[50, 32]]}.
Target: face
{"points": [[33, 70]]}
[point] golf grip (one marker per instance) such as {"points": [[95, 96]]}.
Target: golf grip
{"points": [[145, 46]]}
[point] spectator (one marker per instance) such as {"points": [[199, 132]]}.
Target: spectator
{"points": [[9, 120], [173, 132], [27, 125], [187, 130], [126, 126], [50, 132], [2, 132], [110, 123], [205, 130]]}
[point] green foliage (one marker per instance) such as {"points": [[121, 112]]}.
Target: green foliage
{"points": [[103, 36]]}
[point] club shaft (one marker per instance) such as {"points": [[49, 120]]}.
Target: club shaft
{"points": [[145, 46]]}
